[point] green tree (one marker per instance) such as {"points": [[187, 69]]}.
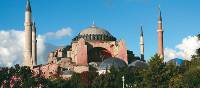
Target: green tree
{"points": [[159, 73], [76, 81], [192, 75], [177, 81], [112, 79], [92, 74], [59, 83]]}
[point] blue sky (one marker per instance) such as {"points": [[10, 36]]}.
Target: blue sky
{"points": [[122, 18]]}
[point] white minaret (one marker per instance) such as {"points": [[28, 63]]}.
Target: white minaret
{"points": [[34, 45], [142, 44], [28, 36]]}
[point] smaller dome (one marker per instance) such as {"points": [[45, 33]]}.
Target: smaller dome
{"points": [[176, 61], [138, 64], [109, 62]]}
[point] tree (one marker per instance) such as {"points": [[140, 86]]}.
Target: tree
{"points": [[76, 81], [159, 73], [59, 83], [177, 81], [92, 74], [192, 74], [110, 80]]}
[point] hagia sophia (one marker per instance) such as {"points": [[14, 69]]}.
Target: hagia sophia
{"points": [[93, 46]]}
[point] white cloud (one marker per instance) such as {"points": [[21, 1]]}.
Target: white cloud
{"points": [[12, 44], [59, 34], [11, 47], [41, 49], [184, 50]]}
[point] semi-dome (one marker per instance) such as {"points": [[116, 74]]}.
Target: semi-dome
{"points": [[95, 33], [138, 64], [112, 62]]}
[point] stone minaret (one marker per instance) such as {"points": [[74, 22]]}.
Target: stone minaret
{"points": [[34, 45], [160, 35], [28, 36], [142, 45]]}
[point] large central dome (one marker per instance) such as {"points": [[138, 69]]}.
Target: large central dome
{"points": [[94, 30], [95, 33]]}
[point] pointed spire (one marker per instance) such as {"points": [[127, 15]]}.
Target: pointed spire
{"points": [[28, 6], [160, 15], [160, 35], [141, 44], [141, 31], [33, 27]]}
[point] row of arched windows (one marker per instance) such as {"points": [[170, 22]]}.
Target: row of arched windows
{"points": [[95, 37]]}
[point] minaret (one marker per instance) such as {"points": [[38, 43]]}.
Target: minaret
{"points": [[160, 36], [34, 45], [142, 45], [28, 36]]}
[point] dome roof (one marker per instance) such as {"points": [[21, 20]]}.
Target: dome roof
{"points": [[109, 62], [95, 33], [138, 63], [176, 61], [94, 30]]}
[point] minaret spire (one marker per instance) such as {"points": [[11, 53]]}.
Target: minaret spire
{"points": [[28, 6], [141, 31], [142, 44], [28, 36], [34, 45], [160, 35], [160, 15]]}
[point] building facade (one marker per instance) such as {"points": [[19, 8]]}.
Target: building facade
{"points": [[93, 46]]}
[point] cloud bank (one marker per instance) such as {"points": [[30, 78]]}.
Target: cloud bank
{"points": [[184, 50], [12, 44]]}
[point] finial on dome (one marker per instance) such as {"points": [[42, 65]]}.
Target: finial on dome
{"points": [[93, 24]]}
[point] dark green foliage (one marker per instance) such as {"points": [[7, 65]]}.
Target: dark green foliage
{"points": [[177, 81], [192, 75], [60, 83], [157, 73], [92, 74], [109, 80]]}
